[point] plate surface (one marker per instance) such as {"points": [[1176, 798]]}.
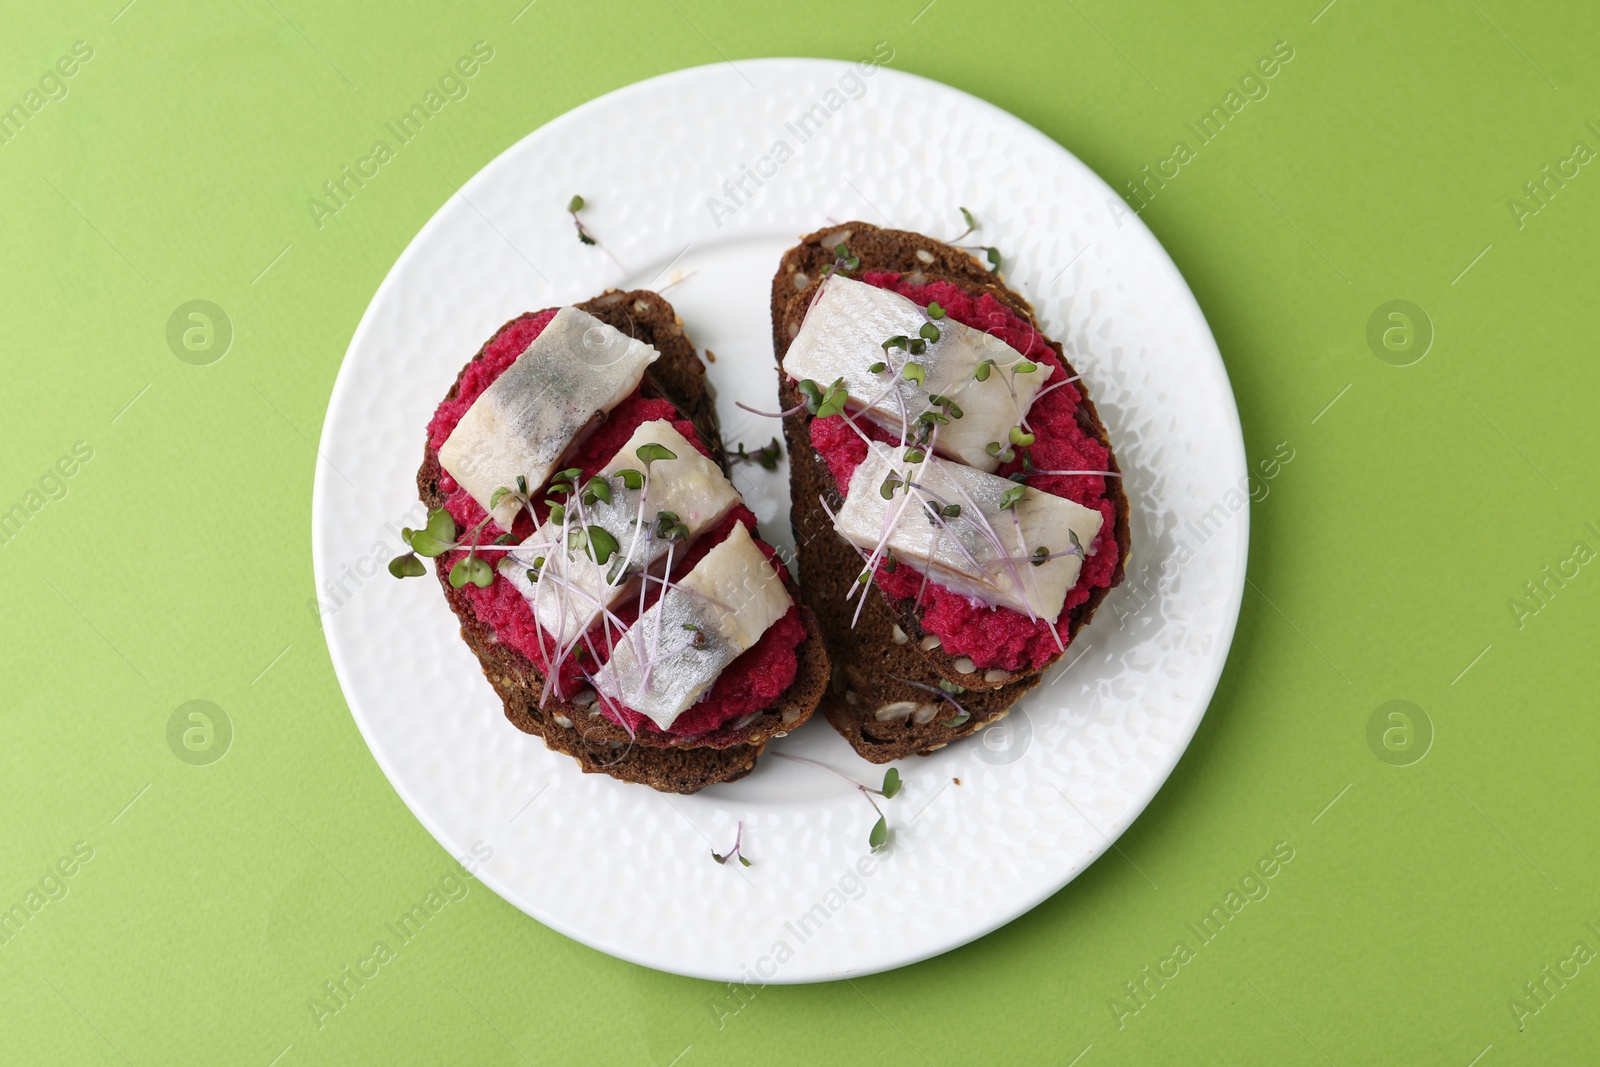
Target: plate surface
{"points": [[706, 176]]}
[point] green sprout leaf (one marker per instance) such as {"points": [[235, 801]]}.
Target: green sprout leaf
{"points": [[631, 478], [993, 255], [929, 331], [959, 720], [891, 782], [471, 569], [423, 543], [1025, 367], [407, 566], [972, 223], [497, 496], [981, 371], [558, 515], [602, 545], [1012, 497], [599, 489], [951, 687], [879, 837], [575, 204], [935, 309], [833, 400], [767, 455], [812, 392], [890, 483], [653, 451], [741, 855], [1020, 437], [877, 368], [915, 455], [441, 525], [1041, 555], [951, 511], [914, 372]]}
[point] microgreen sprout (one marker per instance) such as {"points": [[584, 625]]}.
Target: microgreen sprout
{"points": [[991, 254], [407, 566], [435, 539], [1020, 437], [935, 310], [937, 511], [734, 852], [597, 488], [652, 451], [1012, 497], [767, 455], [668, 527], [600, 544], [972, 224], [878, 837], [842, 260], [981, 371], [574, 206], [823, 402]]}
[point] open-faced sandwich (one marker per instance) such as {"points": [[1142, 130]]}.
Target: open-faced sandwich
{"points": [[957, 508], [606, 573]]}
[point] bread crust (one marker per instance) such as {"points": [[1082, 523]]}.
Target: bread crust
{"points": [[665, 763], [868, 649]]}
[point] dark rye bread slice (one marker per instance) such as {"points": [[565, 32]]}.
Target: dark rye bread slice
{"points": [[793, 287], [599, 745], [874, 665]]}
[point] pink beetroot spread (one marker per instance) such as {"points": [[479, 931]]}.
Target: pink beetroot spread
{"points": [[993, 636], [752, 682]]}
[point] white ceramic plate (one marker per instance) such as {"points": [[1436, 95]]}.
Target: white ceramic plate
{"points": [[627, 870]]}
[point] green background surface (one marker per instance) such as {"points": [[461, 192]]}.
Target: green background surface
{"points": [[1385, 563]]}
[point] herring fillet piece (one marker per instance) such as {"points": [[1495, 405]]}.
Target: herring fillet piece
{"points": [[1044, 521], [577, 369], [703, 623], [573, 589], [843, 334]]}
